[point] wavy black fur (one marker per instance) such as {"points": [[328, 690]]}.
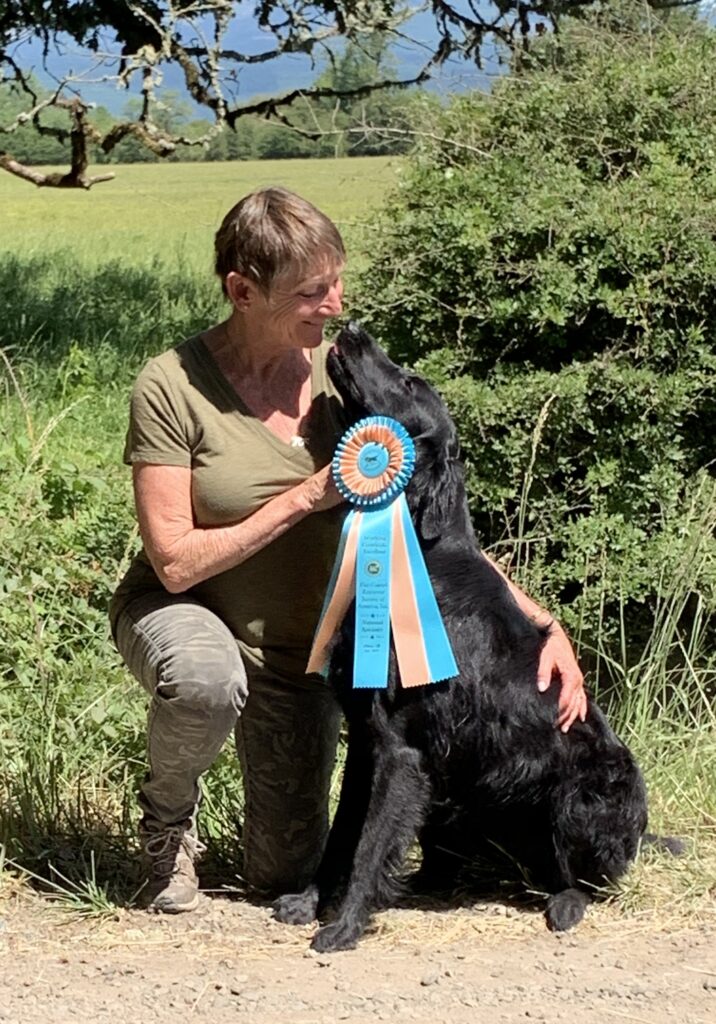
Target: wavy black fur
{"points": [[476, 761]]}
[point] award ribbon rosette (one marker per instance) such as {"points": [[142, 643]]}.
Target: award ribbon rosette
{"points": [[379, 562]]}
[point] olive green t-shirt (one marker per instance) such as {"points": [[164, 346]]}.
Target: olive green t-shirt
{"points": [[184, 412]]}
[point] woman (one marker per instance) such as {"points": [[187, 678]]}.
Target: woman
{"points": [[230, 439]]}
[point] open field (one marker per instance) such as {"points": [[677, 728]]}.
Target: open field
{"points": [[170, 211]]}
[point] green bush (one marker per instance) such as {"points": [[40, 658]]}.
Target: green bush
{"points": [[72, 721], [549, 261]]}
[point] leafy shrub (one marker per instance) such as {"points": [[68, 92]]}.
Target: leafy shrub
{"points": [[549, 261]]}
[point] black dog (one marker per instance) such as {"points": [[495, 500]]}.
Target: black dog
{"points": [[474, 762]]}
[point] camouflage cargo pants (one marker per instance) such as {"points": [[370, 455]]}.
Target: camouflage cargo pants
{"points": [[286, 736]]}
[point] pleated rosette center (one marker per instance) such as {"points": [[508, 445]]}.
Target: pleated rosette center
{"points": [[373, 461]]}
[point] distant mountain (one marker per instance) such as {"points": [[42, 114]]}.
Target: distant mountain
{"points": [[273, 77]]}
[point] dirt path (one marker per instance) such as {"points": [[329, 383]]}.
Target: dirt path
{"points": [[229, 961]]}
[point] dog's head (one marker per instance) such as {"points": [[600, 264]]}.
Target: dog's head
{"points": [[371, 384]]}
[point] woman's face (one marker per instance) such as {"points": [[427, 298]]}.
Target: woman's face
{"points": [[295, 311], [298, 309]]}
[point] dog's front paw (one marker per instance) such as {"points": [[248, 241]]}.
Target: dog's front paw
{"points": [[566, 909], [338, 935], [297, 908]]}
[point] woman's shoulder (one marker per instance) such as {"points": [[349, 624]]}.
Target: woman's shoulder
{"points": [[169, 368]]}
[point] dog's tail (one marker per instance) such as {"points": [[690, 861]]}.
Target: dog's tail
{"points": [[665, 844]]}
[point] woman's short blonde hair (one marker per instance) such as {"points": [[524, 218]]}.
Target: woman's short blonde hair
{"points": [[273, 234]]}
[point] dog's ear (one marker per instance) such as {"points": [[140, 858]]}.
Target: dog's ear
{"points": [[439, 493]]}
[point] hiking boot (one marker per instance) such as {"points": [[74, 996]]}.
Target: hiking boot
{"points": [[172, 851]]}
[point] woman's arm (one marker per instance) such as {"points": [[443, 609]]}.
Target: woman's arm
{"points": [[183, 554], [557, 658]]}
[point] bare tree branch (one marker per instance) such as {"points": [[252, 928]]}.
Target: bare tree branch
{"points": [[137, 39], [80, 133], [56, 180]]}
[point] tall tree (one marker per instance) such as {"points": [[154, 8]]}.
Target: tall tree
{"points": [[135, 40]]}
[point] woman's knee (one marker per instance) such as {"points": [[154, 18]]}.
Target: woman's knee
{"points": [[182, 653], [207, 680]]}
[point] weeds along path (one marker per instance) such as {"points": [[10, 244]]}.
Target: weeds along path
{"points": [[229, 961]]}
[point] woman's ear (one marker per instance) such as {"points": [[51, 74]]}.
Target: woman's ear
{"points": [[240, 290]]}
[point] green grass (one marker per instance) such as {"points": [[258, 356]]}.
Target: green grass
{"points": [[90, 285], [171, 211]]}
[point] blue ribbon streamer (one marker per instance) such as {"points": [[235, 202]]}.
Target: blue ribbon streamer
{"points": [[441, 659], [372, 631], [372, 518]]}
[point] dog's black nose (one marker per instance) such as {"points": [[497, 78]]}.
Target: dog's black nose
{"points": [[351, 332]]}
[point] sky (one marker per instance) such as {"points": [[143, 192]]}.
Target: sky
{"points": [[276, 76]]}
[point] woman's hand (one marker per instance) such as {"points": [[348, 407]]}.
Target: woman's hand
{"points": [[558, 661], [321, 492]]}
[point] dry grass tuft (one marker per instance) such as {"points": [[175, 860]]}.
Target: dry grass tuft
{"points": [[662, 893]]}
